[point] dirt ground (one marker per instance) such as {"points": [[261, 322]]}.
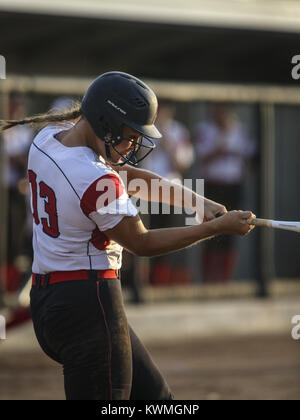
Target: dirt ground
{"points": [[261, 367]]}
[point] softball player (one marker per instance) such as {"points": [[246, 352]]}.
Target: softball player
{"points": [[83, 218]]}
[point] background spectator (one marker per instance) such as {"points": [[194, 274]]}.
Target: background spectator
{"points": [[171, 158], [223, 149], [15, 146]]}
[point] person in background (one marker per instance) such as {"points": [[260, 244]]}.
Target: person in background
{"points": [[172, 157], [61, 103], [174, 153], [15, 146], [224, 149]]}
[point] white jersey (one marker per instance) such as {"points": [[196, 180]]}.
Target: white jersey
{"points": [[75, 198]]}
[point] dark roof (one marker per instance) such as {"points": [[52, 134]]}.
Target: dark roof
{"points": [[60, 45]]}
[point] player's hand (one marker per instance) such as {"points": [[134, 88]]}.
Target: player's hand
{"points": [[212, 209], [234, 223]]}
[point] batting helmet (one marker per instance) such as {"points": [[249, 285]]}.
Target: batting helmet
{"points": [[116, 99]]}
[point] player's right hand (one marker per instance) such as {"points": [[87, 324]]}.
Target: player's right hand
{"points": [[234, 223]]}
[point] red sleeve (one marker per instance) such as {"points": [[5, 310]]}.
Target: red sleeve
{"points": [[109, 184]]}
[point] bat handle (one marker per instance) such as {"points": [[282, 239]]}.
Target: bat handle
{"points": [[260, 222]]}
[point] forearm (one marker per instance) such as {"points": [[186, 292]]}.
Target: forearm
{"points": [[163, 241], [131, 233], [155, 188], [149, 186]]}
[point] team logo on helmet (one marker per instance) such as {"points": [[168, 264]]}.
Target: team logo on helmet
{"points": [[116, 107]]}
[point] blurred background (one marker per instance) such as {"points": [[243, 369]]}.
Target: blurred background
{"points": [[229, 113]]}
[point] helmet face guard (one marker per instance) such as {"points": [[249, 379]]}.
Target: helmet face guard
{"points": [[133, 158], [115, 100]]}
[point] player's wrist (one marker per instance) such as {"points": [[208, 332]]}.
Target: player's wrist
{"points": [[210, 228]]}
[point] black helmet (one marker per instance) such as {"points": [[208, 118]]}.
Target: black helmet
{"points": [[116, 99]]}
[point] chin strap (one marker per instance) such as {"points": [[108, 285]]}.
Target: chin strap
{"points": [[107, 151], [108, 154]]}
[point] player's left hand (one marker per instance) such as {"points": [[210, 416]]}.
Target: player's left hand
{"points": [[212, 210]]}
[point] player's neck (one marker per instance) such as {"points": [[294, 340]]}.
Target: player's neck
{"points": [[76, 136], [81, 134]]}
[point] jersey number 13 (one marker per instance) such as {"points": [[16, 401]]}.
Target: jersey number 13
{"points": [[50, 224]]}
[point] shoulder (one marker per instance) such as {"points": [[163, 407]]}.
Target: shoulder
{"points": [[102, 192], [79, 164], [46, 134], [89, 169], [100, 181]]}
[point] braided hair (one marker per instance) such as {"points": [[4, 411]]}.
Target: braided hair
{"points": [[52, 116]]}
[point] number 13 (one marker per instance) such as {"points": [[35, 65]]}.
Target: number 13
{"points": [[50, 224]]}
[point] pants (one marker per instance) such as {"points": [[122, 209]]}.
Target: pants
{"points": [[82, 325]]}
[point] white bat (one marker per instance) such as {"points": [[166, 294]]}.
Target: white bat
{"points": [[294, 226]]}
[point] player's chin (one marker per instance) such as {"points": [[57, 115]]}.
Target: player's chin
{"points": [[125, 155], [117, 159]]}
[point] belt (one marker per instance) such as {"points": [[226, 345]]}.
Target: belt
{"points": [[61, 276]]}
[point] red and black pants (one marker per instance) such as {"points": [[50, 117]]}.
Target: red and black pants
{"points": [[82, 325]]}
